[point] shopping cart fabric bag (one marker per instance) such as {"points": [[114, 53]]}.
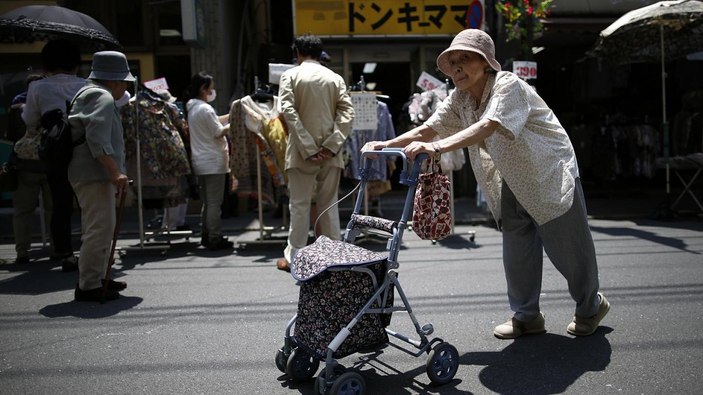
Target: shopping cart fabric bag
{"points": [[331, 294]]}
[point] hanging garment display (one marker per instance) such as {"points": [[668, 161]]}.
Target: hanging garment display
{"points": [[163, 158], [161, 147], [256, 129], [381, 131]]}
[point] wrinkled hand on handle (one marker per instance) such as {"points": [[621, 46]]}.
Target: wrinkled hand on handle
{"points": [[418, 147], [374, 146]]}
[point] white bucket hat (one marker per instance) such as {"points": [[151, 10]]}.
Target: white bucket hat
{"points": [[110, 66], [473, 40]]}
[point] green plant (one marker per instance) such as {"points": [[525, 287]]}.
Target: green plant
{"points": [[523, 20]]}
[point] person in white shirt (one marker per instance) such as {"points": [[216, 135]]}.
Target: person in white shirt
{"points": [[524, 162], [209, 157], [60, 61]]}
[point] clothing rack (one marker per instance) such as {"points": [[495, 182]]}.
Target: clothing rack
{"points": [[144, 236], [164, 219], [265, 232], [366, 235]]}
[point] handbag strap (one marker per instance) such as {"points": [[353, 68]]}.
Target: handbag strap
{"points": [[434, 165]]}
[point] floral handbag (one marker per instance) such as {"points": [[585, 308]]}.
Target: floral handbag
{"points": [[432, 217]]}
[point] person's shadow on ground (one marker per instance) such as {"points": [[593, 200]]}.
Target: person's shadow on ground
{"points": [[90, 309], [542, 364], [37, 278], [42, 277]]}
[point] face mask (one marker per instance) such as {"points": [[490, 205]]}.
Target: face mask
{"points": [[123, 100], [211, 97]]}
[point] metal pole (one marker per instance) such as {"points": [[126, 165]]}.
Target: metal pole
{"points": [[665, 124], [42, 218], [140, 207]]}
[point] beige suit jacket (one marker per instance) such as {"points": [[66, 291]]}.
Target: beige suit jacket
{"points": [[318, 111]]}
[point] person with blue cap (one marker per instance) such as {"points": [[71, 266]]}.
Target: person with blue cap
{"points": [[97, 169]]}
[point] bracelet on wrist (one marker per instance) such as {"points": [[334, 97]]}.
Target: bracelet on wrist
{"points": [[437, 151]]}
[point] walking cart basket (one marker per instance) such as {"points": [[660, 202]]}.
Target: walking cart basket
{"points": [[347, 299]]}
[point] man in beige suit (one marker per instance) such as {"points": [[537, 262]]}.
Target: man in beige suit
{"points": [[317, 108]]}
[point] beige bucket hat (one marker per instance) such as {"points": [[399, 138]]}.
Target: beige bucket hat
{"points": [[474, 40]]}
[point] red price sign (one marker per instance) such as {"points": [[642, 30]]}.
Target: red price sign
{"points": [[525, 70]]}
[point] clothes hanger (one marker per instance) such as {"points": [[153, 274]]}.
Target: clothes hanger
{"points": [[263, 94]]}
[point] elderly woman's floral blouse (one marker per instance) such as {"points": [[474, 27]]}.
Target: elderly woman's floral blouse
{"points": [[531, 151]]}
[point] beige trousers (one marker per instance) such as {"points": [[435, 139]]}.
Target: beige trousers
{"points": [[322, 182], [97, 203]]}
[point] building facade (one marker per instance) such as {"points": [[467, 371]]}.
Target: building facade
{"points": [[236, 40]]}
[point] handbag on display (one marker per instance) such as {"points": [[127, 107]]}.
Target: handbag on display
{"points": [[432, 217]]}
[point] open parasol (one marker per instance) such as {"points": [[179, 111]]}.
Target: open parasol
{"points": [[44, 22], [659, 32]]}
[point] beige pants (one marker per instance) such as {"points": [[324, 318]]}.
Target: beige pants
{"points": [[97, 202], [323, 183]]}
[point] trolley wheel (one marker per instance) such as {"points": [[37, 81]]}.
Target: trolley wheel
{"points": [[349, 383], [281, 360], [322, 385], [301, 366], [442, 363]]}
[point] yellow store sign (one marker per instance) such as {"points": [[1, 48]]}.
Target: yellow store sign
{"points": [[386, 17]]}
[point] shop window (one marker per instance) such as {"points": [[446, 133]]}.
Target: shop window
{"points": [[169, 25]]}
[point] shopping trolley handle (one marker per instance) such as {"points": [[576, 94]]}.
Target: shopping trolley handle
{"points": [[372, 154], [368, 156]]}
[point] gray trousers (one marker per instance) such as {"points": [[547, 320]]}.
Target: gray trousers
{"points": [[568, 243], [212, 193], [24, 200]]}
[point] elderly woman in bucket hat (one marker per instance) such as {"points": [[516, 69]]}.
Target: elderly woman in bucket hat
{"points": [[97, 169], [525, 163]]}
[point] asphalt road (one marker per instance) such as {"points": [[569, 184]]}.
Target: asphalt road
{"points": [[194, 321]]}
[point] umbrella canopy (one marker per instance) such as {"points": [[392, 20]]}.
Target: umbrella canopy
{"points": [[42, 22], [636, 36], [659, 32]]}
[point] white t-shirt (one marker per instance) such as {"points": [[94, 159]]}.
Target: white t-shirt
{"points": [[530, 151], [209, 153], [49, 94]]}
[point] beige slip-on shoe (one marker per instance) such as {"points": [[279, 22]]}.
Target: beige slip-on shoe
{"points": [[584, 326], [516, 328]]}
